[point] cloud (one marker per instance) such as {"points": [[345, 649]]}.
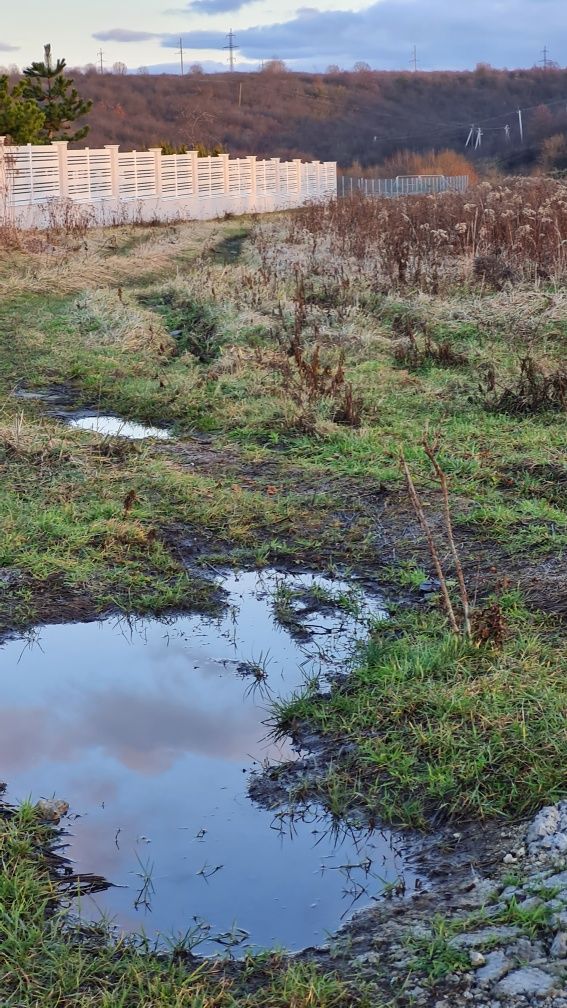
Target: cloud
{"points": [[125, 35], [210, 7], [216, 6], [6, 47], [447, 35]]}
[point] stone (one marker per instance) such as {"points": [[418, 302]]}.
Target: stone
{"points": [[531, 903], [509, 859], [368, 959], [9, 576], [420, 931], [497, 965], [476, 958], [559, 945], [558, 968], [510, 892], [556, 842], [479, 938], [559, 921], [51, 810], [546, 822], [525, 950], [526, 981], [558, 881]]}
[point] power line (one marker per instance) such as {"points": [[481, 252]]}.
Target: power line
{"points": [[432, 128], [232, 47], [545, 61]]}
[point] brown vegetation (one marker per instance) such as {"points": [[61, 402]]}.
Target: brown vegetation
{"points": [[518, 228], [360, 116], [536, 389], [431, 162]]}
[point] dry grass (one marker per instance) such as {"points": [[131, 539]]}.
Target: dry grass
{"points": [[115, 317], [45, 262], [496, 233]]}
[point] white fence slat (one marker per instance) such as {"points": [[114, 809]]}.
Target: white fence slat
{"points": [[183, 184]]}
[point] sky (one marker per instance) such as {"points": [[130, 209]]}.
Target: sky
{"points": [[447, 34]]}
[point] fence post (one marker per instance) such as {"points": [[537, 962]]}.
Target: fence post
{"points": [[321, 178], [61, 146], [114, 173], [276, 163], [297, 163], [4, 182], [156, 151], [226, 173], [252, 162], [194, 155]]}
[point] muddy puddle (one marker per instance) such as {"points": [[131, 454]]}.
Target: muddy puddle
{"points": [[113, 426], [57, 401], [150, 731]]}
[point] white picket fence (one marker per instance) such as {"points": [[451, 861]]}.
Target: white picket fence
{"points": [[109, 186], [402, 185]]}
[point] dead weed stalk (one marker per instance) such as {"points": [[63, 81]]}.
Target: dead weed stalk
{"points": [[536, 390], [309, 381], [463, 624]]}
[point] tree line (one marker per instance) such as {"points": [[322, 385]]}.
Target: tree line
{"points": [[363, 119]]}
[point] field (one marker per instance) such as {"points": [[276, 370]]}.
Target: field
{"points": [[341, 383]]}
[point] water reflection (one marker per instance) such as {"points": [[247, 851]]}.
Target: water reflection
{"points": [[149, 731], [114, 426]]}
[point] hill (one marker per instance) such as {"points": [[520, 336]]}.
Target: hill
{"points": [[346, 116]]}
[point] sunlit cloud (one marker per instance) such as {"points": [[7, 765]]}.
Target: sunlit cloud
{"points": [[125, 35]]}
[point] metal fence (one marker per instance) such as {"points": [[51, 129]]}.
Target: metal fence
{"points": [[114, 185], [402, 185]]}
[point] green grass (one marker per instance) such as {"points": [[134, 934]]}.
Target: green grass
{"points": [[436, 955], [187, 326], [44, 963], [445, 727], [63, 515]]}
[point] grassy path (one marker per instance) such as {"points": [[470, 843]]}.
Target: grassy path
{"points": [[291, 372]]}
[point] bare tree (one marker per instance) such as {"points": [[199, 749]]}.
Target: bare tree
{"points": [[197, 128], [273, 66]]}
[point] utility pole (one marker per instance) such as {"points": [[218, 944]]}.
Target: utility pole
{"points": [[413, 61], [232, 47], [545, 62], [100, 55], [180, 51]]}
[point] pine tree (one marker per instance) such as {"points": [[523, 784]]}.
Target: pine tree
{"points": [[60, 102], [20, 119]]}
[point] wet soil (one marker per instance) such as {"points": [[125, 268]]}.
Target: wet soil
{"points": [[373, 945], [376, 527], [58, 401], [355, 522]]}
